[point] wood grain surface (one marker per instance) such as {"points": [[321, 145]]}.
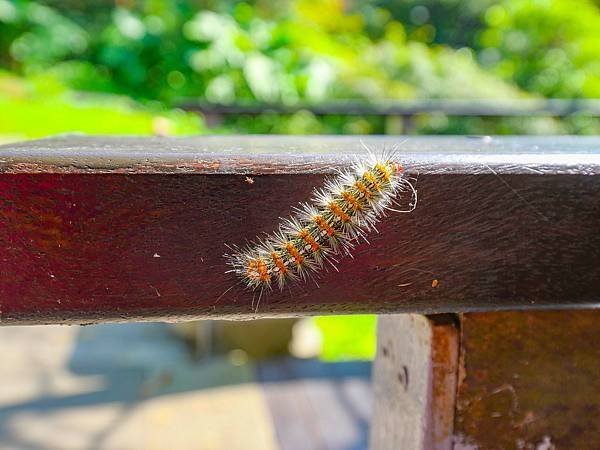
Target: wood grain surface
{"points": [[105, 229], [529, 380]]}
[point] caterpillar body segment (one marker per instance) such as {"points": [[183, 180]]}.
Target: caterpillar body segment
{"points": [[339, 214]]}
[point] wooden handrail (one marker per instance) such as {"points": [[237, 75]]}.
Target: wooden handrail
{"points": [[103, 229]]}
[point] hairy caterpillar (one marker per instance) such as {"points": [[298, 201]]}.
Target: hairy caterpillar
{"points": [[340, 213]]}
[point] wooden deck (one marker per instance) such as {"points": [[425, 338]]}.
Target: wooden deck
{"points": [[131, 386]]}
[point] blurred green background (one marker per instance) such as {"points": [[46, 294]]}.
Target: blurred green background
{"points": [[124, 66], [127, 67]]}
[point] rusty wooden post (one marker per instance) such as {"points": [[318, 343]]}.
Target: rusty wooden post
{"points": [[529, 380], [524, 380]]}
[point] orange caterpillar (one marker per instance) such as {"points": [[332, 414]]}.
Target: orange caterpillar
{"points": [[342, 212]]}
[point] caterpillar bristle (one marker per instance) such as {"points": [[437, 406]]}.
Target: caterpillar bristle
{"points": [[340, 213]]}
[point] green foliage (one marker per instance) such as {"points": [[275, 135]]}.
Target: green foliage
{"points": [[43, 106], [446, 22], [546, 46], [347, 337], [38, 35], [313, 51]]}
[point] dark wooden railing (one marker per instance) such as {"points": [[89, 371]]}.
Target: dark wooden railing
{"points": [[98, 229], [112, 229]]}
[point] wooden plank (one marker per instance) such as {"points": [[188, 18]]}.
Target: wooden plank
{"points": [[414, 383], [104, 229], [317, 405], [529, 380]]}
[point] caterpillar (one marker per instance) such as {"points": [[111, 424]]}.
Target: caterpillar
{"points": [[341, 213]]}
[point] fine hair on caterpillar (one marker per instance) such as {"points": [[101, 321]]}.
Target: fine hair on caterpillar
{"points": [[340, 213]]}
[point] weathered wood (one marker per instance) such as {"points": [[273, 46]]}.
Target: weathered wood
{"points": [[315, 405], [444, 376], [529, 380], [414, 382], [99, 229], [288, 155]]}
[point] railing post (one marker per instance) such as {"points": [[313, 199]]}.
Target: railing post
{"points": [[414, 383]]}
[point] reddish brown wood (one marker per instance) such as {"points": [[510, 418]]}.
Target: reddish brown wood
{"points": [[444, 373], [529, 380], [79, 245]]}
